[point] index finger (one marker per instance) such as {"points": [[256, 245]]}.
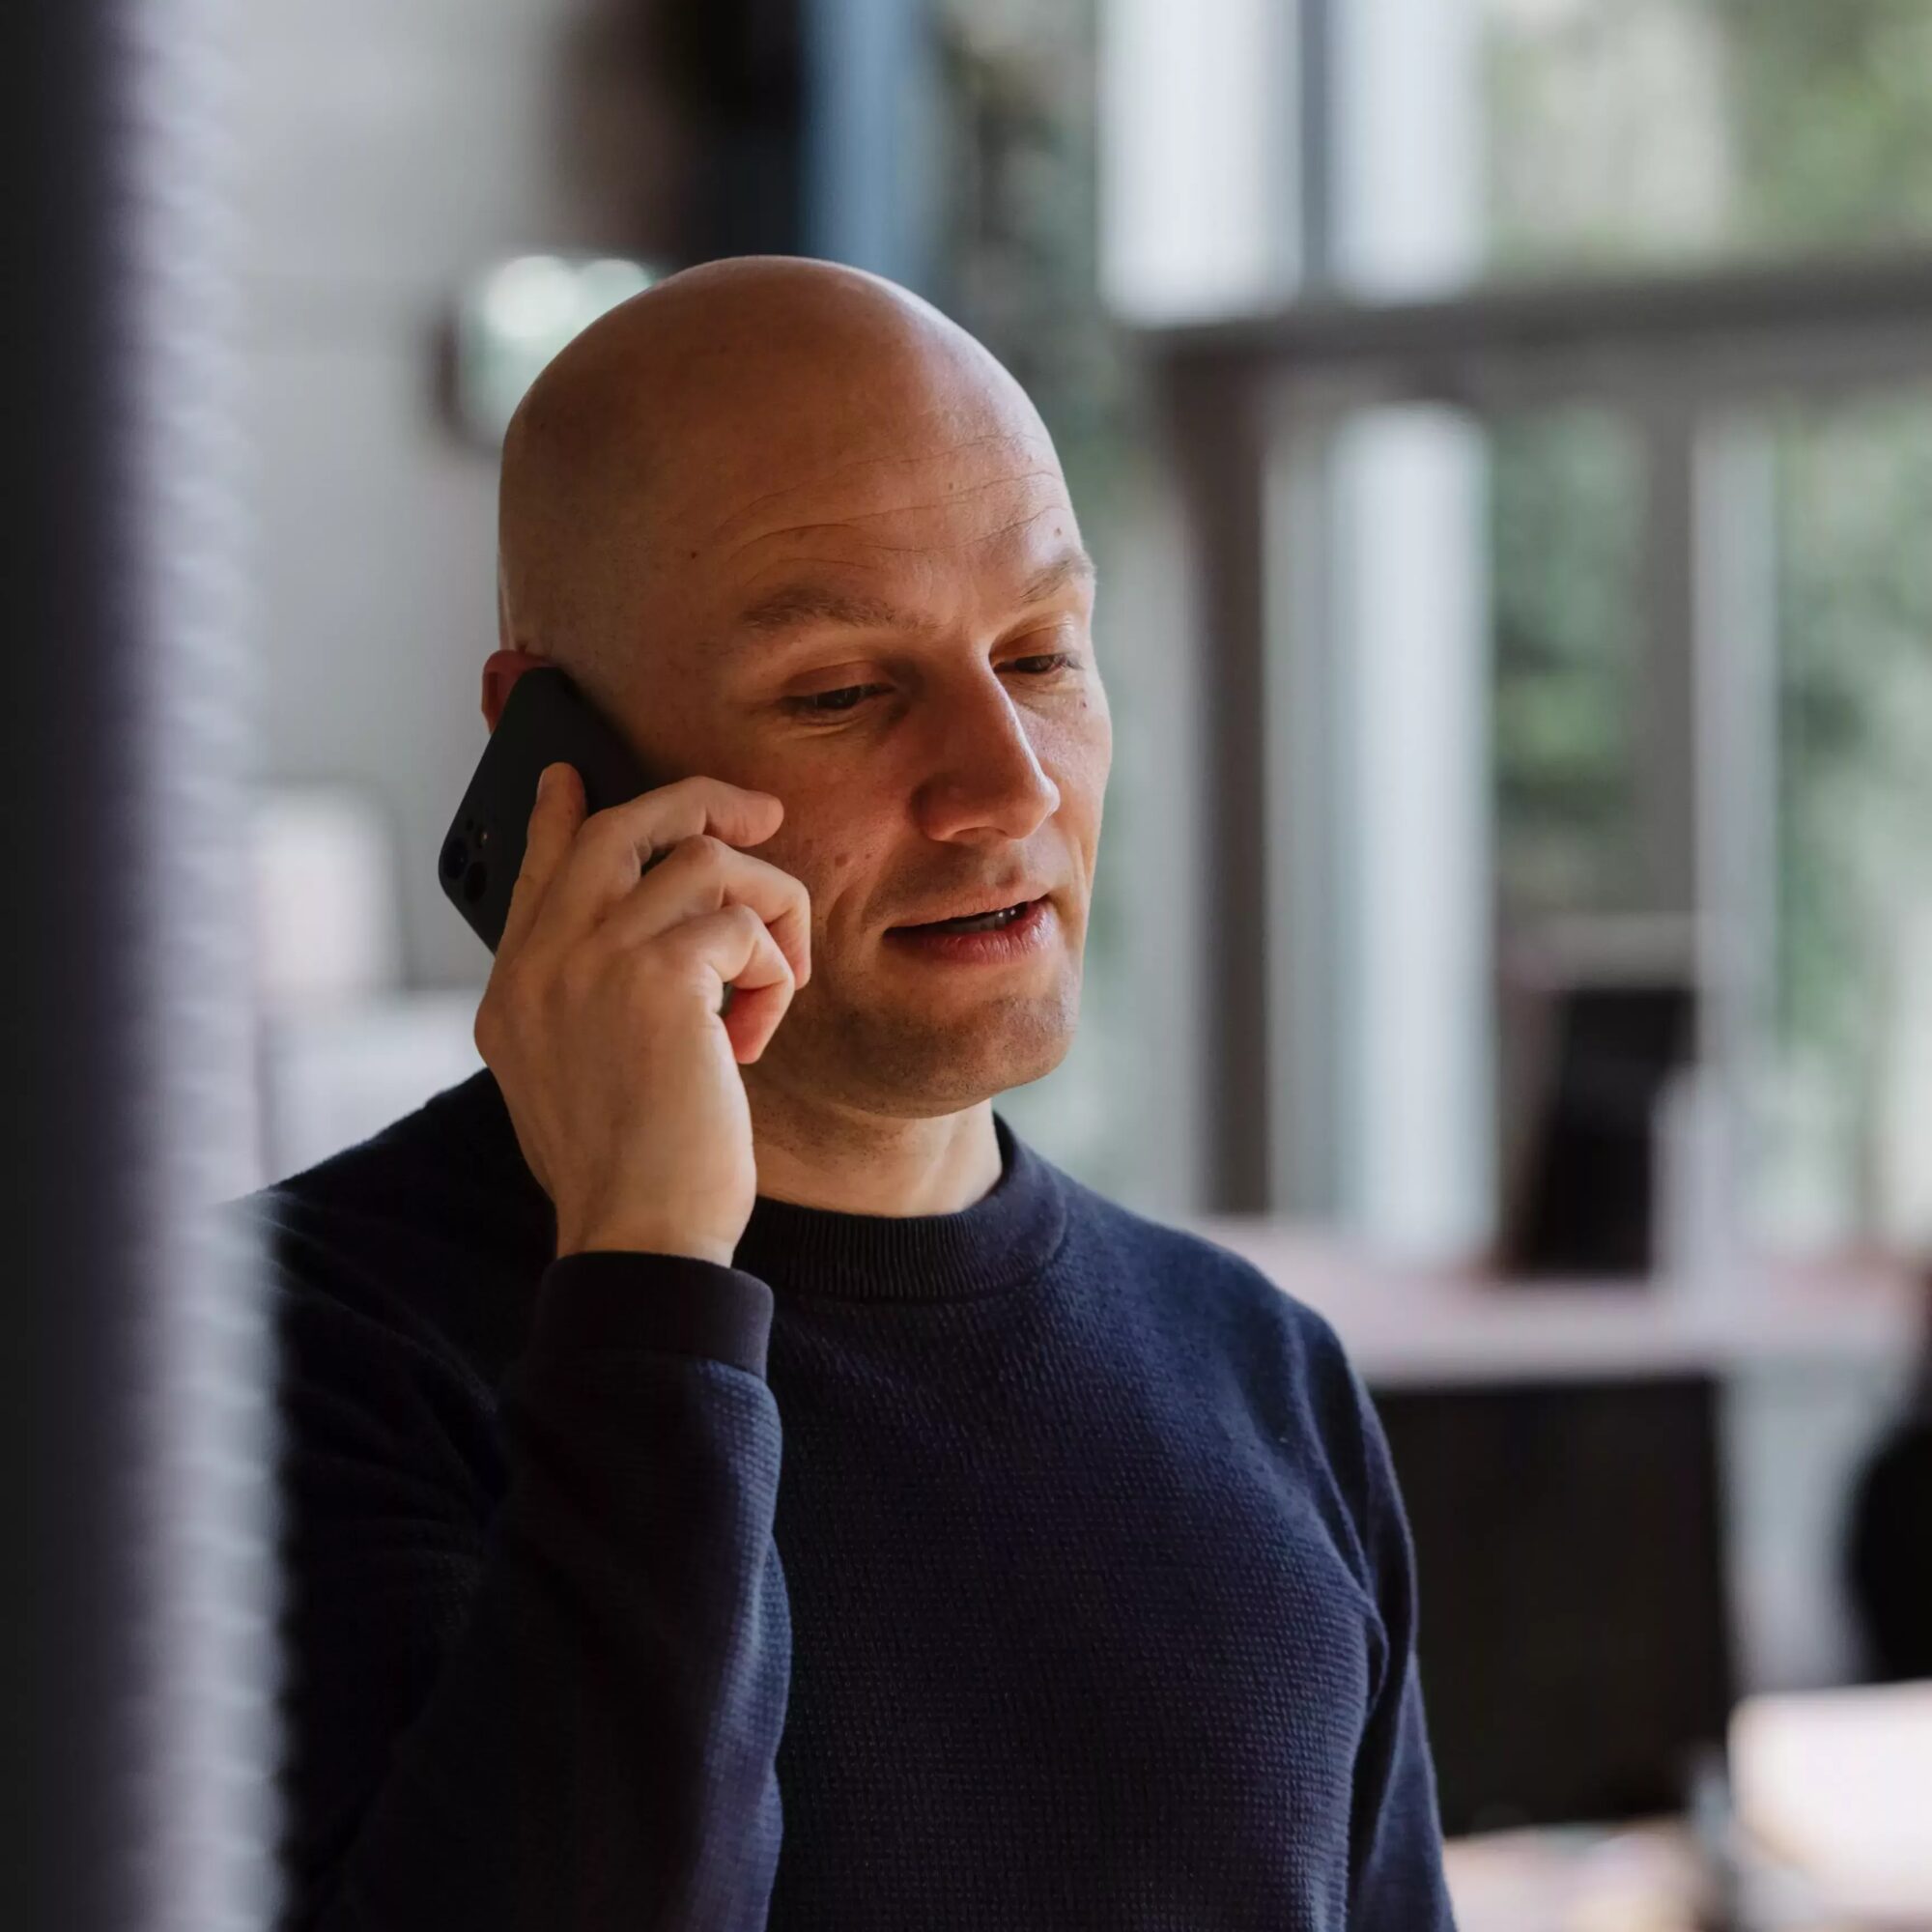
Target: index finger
{"points": [[615, 847], [553, 825]]}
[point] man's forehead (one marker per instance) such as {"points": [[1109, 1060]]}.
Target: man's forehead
{"points": [[801, 472]]}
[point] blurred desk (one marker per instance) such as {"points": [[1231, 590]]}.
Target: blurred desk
{"points": [[1836, 1787], [1409, 1325], [1645, 1877], [1509, 1406], [1831, 1833]]}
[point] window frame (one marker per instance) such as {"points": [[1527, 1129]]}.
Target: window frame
{"points": [[1247, 403]]}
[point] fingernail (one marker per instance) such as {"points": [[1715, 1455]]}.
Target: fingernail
{"points": [[543, 781]]}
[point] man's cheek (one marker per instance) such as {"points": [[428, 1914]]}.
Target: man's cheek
{"points": [[824, 867]]}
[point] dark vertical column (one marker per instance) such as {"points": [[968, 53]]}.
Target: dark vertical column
{"points": [[1314, 144], [870, 137], [69, 1088], [1214, 421], [738, 66]]}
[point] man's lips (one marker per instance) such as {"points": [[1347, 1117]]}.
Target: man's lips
{"points": [[989, 938], [975, 908]]}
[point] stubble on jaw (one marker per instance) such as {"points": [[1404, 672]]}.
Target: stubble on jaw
{"points": [[886, 1062]]}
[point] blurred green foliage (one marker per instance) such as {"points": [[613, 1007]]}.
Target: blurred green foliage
{"points": [[1626, 132], [1566, 535], [1831, 107], [1666, 131], [1853, 591]]}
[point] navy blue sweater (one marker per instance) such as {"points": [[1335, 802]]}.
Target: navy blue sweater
{"points": [[1032, 1566]]}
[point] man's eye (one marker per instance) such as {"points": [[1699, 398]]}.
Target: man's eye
{"points": [[827, 703], [842, 700]]}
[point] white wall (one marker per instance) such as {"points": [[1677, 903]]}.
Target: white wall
{"points": [[389, 150]]}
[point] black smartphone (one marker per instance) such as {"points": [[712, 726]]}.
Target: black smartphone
{"points": [[544, 718]]}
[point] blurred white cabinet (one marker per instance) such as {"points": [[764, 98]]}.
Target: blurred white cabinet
{"points": [[330, 1079]]}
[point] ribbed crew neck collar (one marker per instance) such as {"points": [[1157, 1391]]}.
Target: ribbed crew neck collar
{"points": [[997, 1242]]}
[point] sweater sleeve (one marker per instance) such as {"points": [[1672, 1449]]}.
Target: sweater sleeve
{"points": [[1397, 1881], [559, 1713]]}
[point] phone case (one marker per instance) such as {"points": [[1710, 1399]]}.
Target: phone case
{"points": [[544, 718]]}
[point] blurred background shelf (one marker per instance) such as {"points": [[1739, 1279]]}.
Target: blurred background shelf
{"points": [[332, 1078]]}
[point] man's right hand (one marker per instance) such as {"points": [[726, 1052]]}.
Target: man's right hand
{"points": [[601, 1021]]}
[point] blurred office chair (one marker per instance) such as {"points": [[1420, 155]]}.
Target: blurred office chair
{"points": [[1604, 1013], [1574, 1626], [1888, 1537]]}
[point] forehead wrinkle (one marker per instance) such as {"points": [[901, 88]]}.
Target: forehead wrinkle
{"points": [[725, 527], [875, 463], [843, 529], [951, 496], [965, 543]]}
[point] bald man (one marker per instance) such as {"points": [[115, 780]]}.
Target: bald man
{"points": [[732, 1480]]}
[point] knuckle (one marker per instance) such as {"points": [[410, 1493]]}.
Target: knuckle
{"points": [[503, 1013], [676, 946], [700, 854], [598, 829]]}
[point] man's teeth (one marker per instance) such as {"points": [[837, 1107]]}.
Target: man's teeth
{"points": [[985, 922]]}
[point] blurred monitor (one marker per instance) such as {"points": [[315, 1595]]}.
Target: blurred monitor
{"points": [[1584, 1202], [1573, 1631]]}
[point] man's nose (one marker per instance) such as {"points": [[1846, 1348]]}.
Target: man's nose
{"points": [[985, 774]]}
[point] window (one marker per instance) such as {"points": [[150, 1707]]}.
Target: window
{"points": [[1626, 132], [1565, 379], [1845, 1082], [1565, 535]]}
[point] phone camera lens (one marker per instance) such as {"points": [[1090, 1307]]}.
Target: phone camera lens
{"points": [[455, 856], [475, 880]]}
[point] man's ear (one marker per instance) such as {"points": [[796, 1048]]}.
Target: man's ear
{"points": [[500, 670]]}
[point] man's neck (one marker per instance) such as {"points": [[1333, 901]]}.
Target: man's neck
{"points": [[858, 1163]]}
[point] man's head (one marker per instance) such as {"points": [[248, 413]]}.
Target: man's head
{"points": [[767, 480]]}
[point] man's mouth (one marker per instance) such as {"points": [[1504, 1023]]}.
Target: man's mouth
{"points": [[985, 922]]}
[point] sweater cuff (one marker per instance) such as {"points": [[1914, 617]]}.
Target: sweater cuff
{"points": [[603, 1300]]}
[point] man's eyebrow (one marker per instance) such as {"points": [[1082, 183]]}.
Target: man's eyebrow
{"points": [[1070, 566], [793, 606], [797, 607]]}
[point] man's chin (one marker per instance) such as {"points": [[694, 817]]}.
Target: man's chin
{"points": [[921, 1063]]}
